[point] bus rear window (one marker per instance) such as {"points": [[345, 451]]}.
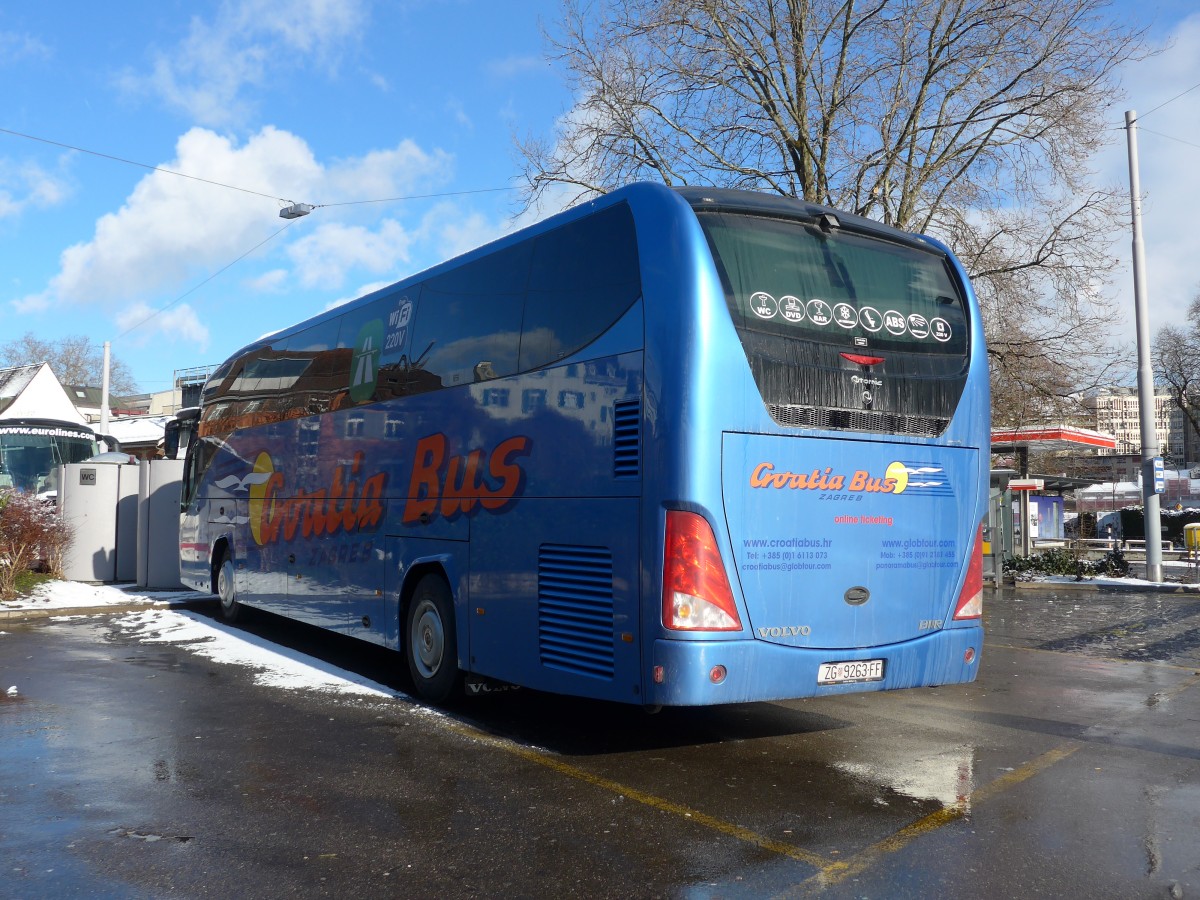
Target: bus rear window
{"points": [[790, 279]]}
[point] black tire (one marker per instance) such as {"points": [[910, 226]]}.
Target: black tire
{"points": [[430, 642], [225, 587]]}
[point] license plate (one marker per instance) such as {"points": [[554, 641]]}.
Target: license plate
{"points": [[850, 672]]}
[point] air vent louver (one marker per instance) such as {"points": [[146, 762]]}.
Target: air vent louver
{"points": [[575, 609], [627, 439]]}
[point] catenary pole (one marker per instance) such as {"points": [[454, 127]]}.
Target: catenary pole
{"points": [[1150, 505], [104, 391]]}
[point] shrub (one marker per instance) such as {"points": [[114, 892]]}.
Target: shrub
{"points": [[31, 532], [1060, 561]]}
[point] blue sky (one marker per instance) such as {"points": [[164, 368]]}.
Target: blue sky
{"points": [[337, 101]]}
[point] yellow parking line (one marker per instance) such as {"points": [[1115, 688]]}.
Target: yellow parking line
{"points": [[1182, 686], [650, 800], [840, 870], [829, 872]]}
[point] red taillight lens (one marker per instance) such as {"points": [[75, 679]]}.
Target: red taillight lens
{"points": [[696, 594], [970, 600]]}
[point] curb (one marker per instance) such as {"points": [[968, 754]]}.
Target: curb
{"points": [[1107, 587], [30, 614]]}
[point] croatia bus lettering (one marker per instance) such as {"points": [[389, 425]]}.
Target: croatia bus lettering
{"points": [[451, 485], [343, 507], [671, 447]]}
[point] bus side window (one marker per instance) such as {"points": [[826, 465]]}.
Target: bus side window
{"points": [[468, 323], [200, 455], [321, 371], [585, 275]]}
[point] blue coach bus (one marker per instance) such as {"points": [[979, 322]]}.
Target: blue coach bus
{"points": [[671, 447]]}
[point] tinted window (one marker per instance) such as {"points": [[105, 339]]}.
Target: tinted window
{"points": [[468, 323], [791, 279], [584, 276], [321, 370]]}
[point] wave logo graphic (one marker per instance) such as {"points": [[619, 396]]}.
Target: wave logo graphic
{"points": [[236, 485], [922, 479]]}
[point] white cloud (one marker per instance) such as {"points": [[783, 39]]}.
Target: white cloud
{"points": [[207, 73], [33, 303], [179, 324], [368, 288], [324, 257], [459, 113], [27, 184], [271, 282], [170, 227], [512, 66], [454, 232], [383, 174], [19, 47], [172, 233]]}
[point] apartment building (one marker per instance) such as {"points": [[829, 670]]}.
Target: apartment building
{"points": [[1116, 411]]}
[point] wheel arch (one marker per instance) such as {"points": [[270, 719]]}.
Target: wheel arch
{"points": [[443, 566], [220, 546]]}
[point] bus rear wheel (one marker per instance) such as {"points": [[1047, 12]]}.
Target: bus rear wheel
{"points": [[430, 645], [231, 610]]}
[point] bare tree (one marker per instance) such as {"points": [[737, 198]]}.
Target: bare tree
{"points": [[1176, 353], [972, 120], [74, 359]]}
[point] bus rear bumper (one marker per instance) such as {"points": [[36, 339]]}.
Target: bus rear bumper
{"points": [[756, 670]]}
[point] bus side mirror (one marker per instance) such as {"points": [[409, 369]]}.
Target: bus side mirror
{"points": [[171, 439]]}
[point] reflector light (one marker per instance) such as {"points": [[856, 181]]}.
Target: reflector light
{"points": [[717, 675], [970, 599], [969, 656], [859, 360], [659, 674], [696, 593]]}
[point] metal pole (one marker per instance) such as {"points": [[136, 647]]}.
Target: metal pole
{"points": [[1150, 503], [104, 392]]}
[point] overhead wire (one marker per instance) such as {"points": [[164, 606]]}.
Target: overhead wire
{"points": [[1172, 100], [1145, 130], [232, 187], [201, 285], [416, 197], [133, 162]]}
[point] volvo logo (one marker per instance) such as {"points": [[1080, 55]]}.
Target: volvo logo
{"points": [[857, 595]]}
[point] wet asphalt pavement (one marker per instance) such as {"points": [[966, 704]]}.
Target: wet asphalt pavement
{"points": [[1071, 768]]}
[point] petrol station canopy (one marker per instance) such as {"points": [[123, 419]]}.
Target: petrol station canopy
{"points": [[1052, 438]]}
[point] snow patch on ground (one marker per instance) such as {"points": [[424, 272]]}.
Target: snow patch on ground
{"points": [[76, 595], [276, 666]]}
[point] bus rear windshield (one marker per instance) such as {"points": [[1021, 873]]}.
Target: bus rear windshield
{"points": [[790, 279]]}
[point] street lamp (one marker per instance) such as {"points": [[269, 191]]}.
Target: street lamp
{"points": [[296, 210]]}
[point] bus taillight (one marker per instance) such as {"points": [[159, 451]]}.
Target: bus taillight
{"points": [[696, 594], [970, 600]]}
